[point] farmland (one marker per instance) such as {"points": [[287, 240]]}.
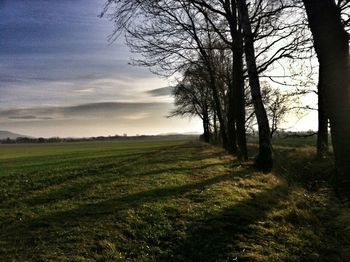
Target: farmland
{"points": [[166, 201]]}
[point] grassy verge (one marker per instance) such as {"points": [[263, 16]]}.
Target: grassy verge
{"points": [[168, 201]]}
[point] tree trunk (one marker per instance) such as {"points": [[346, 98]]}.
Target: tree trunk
{"points": [[264, 158], [216, 98], [218, 109], [236, 116], [239, 99], [231, 122], [206, 128], [238, 83], [331, 43], [215, 127], [322, 134]]}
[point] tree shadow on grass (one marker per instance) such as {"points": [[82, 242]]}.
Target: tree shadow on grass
{"points": [[34, 182], [218, 237], [29, 235], [23, 234], [77, 189], [74, 185], [113, 206]]}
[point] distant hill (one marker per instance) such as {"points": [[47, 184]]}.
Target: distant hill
{"points": [[7, 134]]}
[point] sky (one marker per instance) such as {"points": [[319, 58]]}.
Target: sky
{"points": [[60, 76]]}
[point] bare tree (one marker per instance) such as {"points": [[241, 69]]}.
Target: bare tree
{"points": [[331, 43], [278, 105], [273, 39], [222, 17], [322, 133], [264, 158], [193, 97], [169, 35]]}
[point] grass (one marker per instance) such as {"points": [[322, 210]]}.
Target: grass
{"points": [[166, 201]]}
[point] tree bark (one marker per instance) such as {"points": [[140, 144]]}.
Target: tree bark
{"points": [[264, 158], [238, 83], [322, 134], [216, 139], [331, 43], [236, 92], [216, 97], [231, 122], [240, 100], [219, 111], [206, 128]]}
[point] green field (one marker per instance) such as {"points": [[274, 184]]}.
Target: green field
{"points": [[166, 201]]}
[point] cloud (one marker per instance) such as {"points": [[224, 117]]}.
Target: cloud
{"points": [[46, 42], [57, 69], [137, 116], [86, 90], [29, 117], [107, 110], [163, 91], [28, 94], [22, 117]]}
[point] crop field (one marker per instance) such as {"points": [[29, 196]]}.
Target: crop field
{"points": [[166, 201]]}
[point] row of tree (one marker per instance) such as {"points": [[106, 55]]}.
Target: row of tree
{"points": [[224, 51]]}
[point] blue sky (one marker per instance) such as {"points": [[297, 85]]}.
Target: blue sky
{"points": [[59, 75]]}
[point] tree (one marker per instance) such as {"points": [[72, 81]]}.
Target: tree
{"points": [[219, 20], [275, 40], [169, 35], [193, 97], [278, 105], [322, 133], [331, 42], [264, 158]]}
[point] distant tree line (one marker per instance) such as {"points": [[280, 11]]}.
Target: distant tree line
{"points": [[42, 140], [226, 54], [124, 137]]}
